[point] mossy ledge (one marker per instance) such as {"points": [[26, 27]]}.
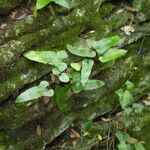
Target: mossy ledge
{"points": [[19, 122]]}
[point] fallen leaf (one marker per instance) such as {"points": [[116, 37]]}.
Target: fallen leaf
{"points": [[105, 119], [148, 97], [64, 144], [13, 14], [86, 134], [74, 134], [146, 102], [132, 140], [3, 26], [46, 100], [99, 137], [74, 143], [38, 130], [128, 29], [53, 77]]}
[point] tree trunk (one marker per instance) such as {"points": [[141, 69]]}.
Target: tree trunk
{"points": [[52, 29]]}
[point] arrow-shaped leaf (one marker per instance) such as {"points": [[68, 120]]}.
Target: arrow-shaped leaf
{"points": [[93, 84], [112, 54], [87, 65], [35, 92], [81, 51], [104, 44]]}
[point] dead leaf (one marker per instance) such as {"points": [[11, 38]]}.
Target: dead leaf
{"points": [[99, 137], [64, 144], [105, 119], [148, 97], [13, 14], [3, 25], [86, 134], [38, 130], [132, 140], [74, 134], [53, 77], [74, 143], [46, 100], [128, 29], [20, 16], [146, 102]]}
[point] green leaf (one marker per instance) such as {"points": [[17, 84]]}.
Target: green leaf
{"points": [[76, 76], [83, 52], [137, 5], [35, 92], [128, 123], [49, 57], [104, 44], [138, 108], [137, 129], [42, 3], [87, 65], [90, 85], [2, 147], [120, 93], [61, 66], [34, 11], [56, 71], [63, 3], [125, 97], [77, 88], [44, 84], [110, 64], [93, 84], [87, 126], [129, 85], [122, 136], [64, 77], [112, 54], [122, 146], [139, 146], [44, 57], [127, 111], [76, 66], [62, 54], [61, 97]]}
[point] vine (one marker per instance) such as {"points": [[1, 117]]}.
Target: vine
{"points": [[79, 75]]}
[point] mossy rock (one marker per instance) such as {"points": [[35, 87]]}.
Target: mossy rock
{"points": [[7, 5]]}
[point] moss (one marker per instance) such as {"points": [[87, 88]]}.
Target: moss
{"points": [[99, 108], [16, 47], [142, 6], [60, 41], [7, 5], [146, 60], [145, 136], [119, 18], [27, 25], [83, 16], [28, 139], [22, 76], [20, 122]]}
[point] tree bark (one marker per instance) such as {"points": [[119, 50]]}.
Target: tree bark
{"points": [[52, 30]]}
